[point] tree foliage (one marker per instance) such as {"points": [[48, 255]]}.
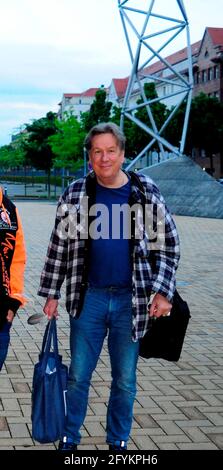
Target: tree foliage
{"points": [[67, 143], [173, 132], [38, 152], [36, 147], [206, 124], [142, 138], [100, 111], [12, 155], [129, 129], [137, 138]]}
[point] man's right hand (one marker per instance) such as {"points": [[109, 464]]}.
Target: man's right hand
{"points": [[50, 308]]}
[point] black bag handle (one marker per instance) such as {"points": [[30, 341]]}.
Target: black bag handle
{"points": [[50, 336]]}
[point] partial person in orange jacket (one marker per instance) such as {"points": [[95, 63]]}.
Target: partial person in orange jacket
{"points": [[12, 267]]}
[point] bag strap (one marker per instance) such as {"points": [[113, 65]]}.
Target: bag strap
{"points": [[138, 183], [49, 338], [45, 338]]}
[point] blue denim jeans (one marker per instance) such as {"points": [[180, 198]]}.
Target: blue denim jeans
{"points": [[105, 312], [4, 342]]}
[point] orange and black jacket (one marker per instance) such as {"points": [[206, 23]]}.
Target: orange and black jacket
{"points": [[12, 258]]}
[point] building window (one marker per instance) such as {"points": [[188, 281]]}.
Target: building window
{"points": [[79, 101], [210, 74], [216, 94], [204, 76], [216, 72], [203, 154], [164, 91]]}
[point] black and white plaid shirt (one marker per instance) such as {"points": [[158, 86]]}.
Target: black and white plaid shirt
{"points": [[154, 263]]}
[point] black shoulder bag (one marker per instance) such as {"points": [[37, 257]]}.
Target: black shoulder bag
{"points": [[165, 336]]}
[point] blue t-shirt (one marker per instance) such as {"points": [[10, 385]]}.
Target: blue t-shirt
{"points": [[110, 263]]}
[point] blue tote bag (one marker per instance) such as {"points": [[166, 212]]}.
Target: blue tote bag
{"points": [[49, 390]]}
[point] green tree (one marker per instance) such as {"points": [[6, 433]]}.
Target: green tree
{"points": [[37, 149], [130, 129], [67, 143], [159, 111], [173, 131], [11, 156], [100, 111], [137, 139], [205, 126]]}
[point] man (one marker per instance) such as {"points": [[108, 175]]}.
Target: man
{"points": [[12, 266], [111, 271]]}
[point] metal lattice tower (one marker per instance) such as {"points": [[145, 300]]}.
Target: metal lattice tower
{"points": [[149, 33]]}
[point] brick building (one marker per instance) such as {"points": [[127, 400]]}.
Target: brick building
{"points": [[208, 64]]}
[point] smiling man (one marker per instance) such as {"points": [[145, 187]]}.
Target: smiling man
{"points": [[110, 279]]}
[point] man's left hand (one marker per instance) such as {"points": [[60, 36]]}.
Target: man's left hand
{"points": [[159, 306], [10, 316]]}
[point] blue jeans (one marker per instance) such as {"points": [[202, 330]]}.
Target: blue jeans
{"points": [[4, 342], [105, 311]]}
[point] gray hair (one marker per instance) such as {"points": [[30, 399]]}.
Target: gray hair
{"points": [[105, 128]]}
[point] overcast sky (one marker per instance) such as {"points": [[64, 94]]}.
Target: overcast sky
{"points": [[51, 47]]}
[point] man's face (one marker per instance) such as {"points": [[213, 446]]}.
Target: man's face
{"points": [[106, 157]]}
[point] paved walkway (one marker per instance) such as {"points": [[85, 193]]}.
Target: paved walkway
{"points": [[179, 405]]}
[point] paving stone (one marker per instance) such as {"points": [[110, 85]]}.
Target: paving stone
{"points": [[4, 434], [21, 387], [149, 431], [192, 413], [170, 427], [195, 434], [3, 424], [13, 441], [145, 443], [145, 421], [193, 422], [10, 404], [95, 429], [5, 385], [13, 369], [19, 430], [175, 438], [18, 419], [215, 418], [217, 439], [98, 408], [198, 446], [168, 446], [36, 447]]}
